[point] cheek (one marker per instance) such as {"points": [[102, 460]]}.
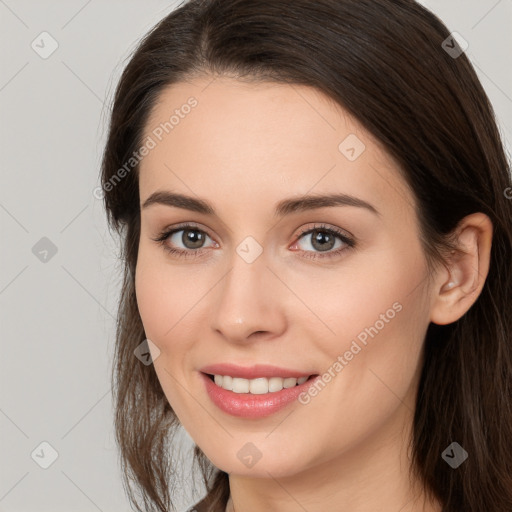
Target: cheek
{"points": [[359, 305], [161, 308], [379, 363], [375, 317], [380, 294], [150, 301], [169, 300], [158, 304]]}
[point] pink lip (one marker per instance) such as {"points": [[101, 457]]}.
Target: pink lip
{"points": [[247, 405], [253, 372]]}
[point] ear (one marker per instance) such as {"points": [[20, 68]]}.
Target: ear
{"points": [[457, 286]]}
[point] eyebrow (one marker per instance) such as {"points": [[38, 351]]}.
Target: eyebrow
{"points": [[284, 207]]}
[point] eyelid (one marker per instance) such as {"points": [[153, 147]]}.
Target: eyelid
{"points": [[326, 227], [173, 228], [347, 239], [303, 231]]}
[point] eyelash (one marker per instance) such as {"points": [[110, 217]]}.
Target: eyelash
{"points": [[191, 253]]}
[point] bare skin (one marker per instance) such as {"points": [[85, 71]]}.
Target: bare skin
{"points": [[244, 148]]}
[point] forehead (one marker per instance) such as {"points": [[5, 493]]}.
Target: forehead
{"points": [[262, 140]]}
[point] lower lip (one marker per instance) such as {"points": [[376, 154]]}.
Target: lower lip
{"points": [[247, 405]]}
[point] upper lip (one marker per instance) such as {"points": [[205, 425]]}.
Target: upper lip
{"points": [[253, 372]]}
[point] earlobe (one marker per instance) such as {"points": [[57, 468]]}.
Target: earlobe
{"points": [[467, 271]]}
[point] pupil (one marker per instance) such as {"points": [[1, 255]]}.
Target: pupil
{"points": [[193, 237], [325, 240]]}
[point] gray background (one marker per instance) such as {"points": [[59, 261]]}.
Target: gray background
{"points": [[58, 316]]}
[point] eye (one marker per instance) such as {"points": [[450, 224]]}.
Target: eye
{"points": [[322, 239], [191, 237]]}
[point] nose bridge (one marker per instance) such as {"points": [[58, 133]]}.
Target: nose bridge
{"points": [[248, 296]]}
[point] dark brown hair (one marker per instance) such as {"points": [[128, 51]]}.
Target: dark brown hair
{"points": [[383, 61]]}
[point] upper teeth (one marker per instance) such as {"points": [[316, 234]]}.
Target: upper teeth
{"points": [[257, 386]]}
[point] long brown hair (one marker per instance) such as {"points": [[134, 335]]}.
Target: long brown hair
{"points": [[384, 62]]}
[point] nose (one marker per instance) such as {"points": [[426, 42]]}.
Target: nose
{"points": [[249, 303]]}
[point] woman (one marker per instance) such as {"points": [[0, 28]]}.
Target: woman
{"points": [[313, 200]]}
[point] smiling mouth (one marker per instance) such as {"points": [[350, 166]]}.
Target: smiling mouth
{"points": [[257, 386]]}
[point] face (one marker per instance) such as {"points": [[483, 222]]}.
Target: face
{"points": [[333, 289]]}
